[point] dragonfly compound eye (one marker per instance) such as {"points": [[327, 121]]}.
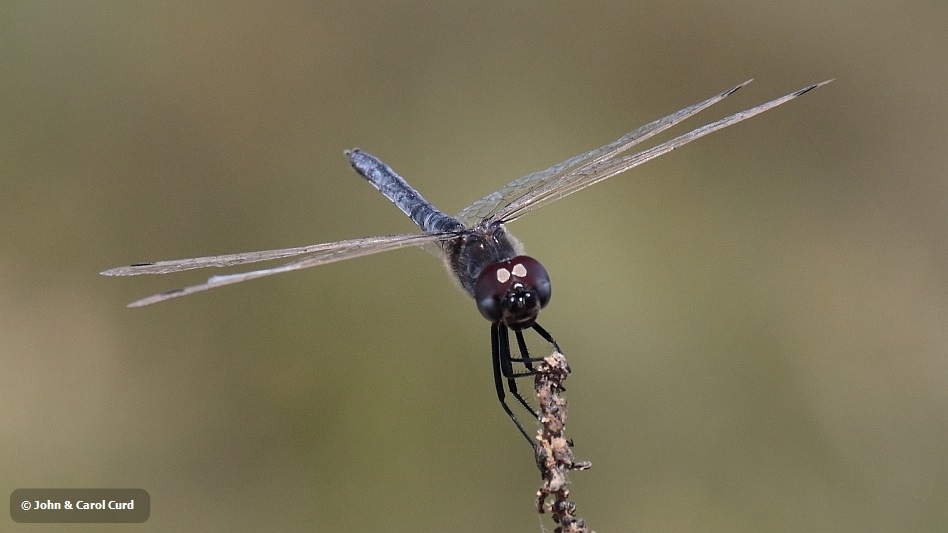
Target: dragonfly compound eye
{"points": [[513, 292]]}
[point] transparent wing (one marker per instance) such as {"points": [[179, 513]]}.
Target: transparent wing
{"points": [[522, 187], [179, 265], [532, 191], [611, 164], [320, 254]]}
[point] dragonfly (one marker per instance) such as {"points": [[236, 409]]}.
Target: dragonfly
{"points": [[509, 288]]}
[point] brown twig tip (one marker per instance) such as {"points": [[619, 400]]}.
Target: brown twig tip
{"points": [[554, 454]]}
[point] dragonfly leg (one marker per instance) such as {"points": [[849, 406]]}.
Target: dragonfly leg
{"points": [[547, 337], [503, 368], [506, 365], [524, 355], [500, 351]]}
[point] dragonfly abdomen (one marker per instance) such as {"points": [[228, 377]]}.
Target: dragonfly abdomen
{"points": [[403, 195]]}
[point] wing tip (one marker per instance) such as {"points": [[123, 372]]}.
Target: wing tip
{"points": [[128, 270], [737, 87], [802, 91], [161, 296], [814, 86]]}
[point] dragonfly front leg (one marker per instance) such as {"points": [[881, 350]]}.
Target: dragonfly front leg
{"points": [[500, 357]]}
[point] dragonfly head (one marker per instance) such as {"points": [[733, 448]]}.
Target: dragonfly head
{"points": [[513, 292]]}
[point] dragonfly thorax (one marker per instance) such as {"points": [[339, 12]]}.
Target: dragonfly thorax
{"points": [[467, 255], [513, 292]]}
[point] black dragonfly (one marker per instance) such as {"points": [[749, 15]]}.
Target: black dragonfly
{"points": [[509, 287]]}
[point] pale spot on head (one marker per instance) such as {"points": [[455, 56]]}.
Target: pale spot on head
{"points": [[519, 270], [503, 275]]}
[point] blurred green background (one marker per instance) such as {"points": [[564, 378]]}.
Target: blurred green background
{"points": [[756, 322]]}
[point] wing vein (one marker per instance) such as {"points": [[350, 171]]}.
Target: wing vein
{"points": [[325, 254]]}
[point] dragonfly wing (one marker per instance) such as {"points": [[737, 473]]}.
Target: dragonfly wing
{"points": [[178, 265], [605, 167], [523, 187], [329, 253]]}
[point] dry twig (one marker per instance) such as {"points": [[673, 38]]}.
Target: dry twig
{"points": [[554, 453]]}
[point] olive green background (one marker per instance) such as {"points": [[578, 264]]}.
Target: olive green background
{"points": [[756, 322]]}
